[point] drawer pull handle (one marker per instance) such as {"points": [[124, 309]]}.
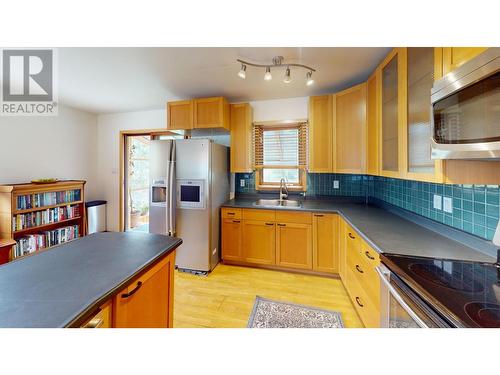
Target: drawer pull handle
{"points": [[94, 323], [367, 253], [133, 291], [231, 213], [359, 269], [236, 221], [358, 301], [351, 236], [318, 215], [282, 225], [269, 224]]}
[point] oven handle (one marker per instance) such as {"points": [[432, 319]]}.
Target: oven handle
{"points": [[383, 277]]}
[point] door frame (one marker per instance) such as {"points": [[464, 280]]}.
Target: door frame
{"points": [[122, 157]]}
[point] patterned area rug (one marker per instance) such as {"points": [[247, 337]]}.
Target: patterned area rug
{"points": [[274, 314]]}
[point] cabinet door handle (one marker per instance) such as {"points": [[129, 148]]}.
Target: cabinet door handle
{"points": [[359, 269], [358, 301], [133, 291], [231, 213], [351, 236], [269, 224], [94, 323], [367, 253], [318, 215], [236, 221], [282, 225]]}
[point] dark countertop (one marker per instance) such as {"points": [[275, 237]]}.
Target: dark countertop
{"points": [[385, 231], [58, 287]]}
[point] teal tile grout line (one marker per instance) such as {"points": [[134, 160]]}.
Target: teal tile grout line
{"points": [[475, 208]]}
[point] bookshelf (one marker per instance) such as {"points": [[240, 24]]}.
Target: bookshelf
{"points": [[37, 217]]}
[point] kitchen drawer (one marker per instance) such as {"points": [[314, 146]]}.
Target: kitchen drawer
{"points": [[101, 319], [367, 310], [365, 275], [352, 240], [293, 217], [231, 213], [368, 254], [259, 215]]}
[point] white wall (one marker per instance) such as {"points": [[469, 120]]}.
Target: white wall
{"points": [[109, 127], [108, 150], [62, 146]]}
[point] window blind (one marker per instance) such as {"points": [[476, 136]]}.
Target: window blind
{"points": [[280, 146]]}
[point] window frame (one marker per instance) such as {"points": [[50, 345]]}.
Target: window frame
{"points": [[260, 184]]}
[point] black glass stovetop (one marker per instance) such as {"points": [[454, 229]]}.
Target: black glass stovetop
{"points": [[465, 293]]}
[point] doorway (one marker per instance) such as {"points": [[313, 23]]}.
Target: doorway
{"points": [[136, 189]]}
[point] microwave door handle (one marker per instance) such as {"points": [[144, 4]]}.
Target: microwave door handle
{"points": [[383, 277]]}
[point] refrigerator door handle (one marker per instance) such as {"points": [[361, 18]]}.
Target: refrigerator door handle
{"points": [[171, 191]]}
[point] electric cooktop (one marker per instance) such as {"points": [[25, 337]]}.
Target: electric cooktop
{"points": [[465, 293]]}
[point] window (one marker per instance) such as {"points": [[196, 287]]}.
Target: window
{"points": [[280, 152]]}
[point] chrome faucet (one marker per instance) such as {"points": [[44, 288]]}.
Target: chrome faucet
{"points": [[283, 195]]}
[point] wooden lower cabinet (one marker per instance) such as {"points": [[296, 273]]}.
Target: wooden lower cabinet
{"points": [[325, 243], [147, 302], [102, 319], [259, 242], [232, 244], [293, 245]]}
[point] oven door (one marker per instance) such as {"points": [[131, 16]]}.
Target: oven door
{"points": [[400, 307]]}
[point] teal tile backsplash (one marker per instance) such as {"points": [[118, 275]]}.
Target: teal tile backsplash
{"points": [[475, 207]]}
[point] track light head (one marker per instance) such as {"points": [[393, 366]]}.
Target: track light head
{"points": [[287, 78], [242, 73], [268, 76], [309, 79]]}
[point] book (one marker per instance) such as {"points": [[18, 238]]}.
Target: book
{"points": [[35, 242]]}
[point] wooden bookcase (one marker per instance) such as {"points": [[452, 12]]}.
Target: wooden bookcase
{"points": [[74, 197]]}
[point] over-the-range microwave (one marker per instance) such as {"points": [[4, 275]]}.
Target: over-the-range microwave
{"points": [[466, 110]]}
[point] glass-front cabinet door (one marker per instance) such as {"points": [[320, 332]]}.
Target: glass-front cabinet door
{"points": [[420, 66], [391, 99]]}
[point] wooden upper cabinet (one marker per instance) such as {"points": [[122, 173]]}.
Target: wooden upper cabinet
{"points": [[211, 113], [293, 245], [241, 138], [325, 243], [148, 301], [372, 125], [349, 124], [453, 57], [421, 63], [320, 134], [392, 114], [180, 115]]}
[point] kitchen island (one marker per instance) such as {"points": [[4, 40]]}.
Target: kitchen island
{"points": [[102, 280]]}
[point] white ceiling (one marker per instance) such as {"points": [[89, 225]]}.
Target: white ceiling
{"points": [[106, 80]]}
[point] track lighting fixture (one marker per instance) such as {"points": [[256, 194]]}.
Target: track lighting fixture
{"points": [[309, 79], [268, 76], [278, 62], [287, 78], [242, 73]]}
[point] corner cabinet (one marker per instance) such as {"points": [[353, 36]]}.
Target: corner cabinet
{"points": [[199, 113], [325, 255], [241, 138], [320, 134], [349, 127]]}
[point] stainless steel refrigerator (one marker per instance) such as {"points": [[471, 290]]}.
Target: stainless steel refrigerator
{"points": [[189, 182]]}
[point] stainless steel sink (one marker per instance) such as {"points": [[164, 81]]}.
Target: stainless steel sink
{"points": [[277, 203]]}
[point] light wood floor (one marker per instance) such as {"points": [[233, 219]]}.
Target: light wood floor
{"points": [[226, 296]]}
